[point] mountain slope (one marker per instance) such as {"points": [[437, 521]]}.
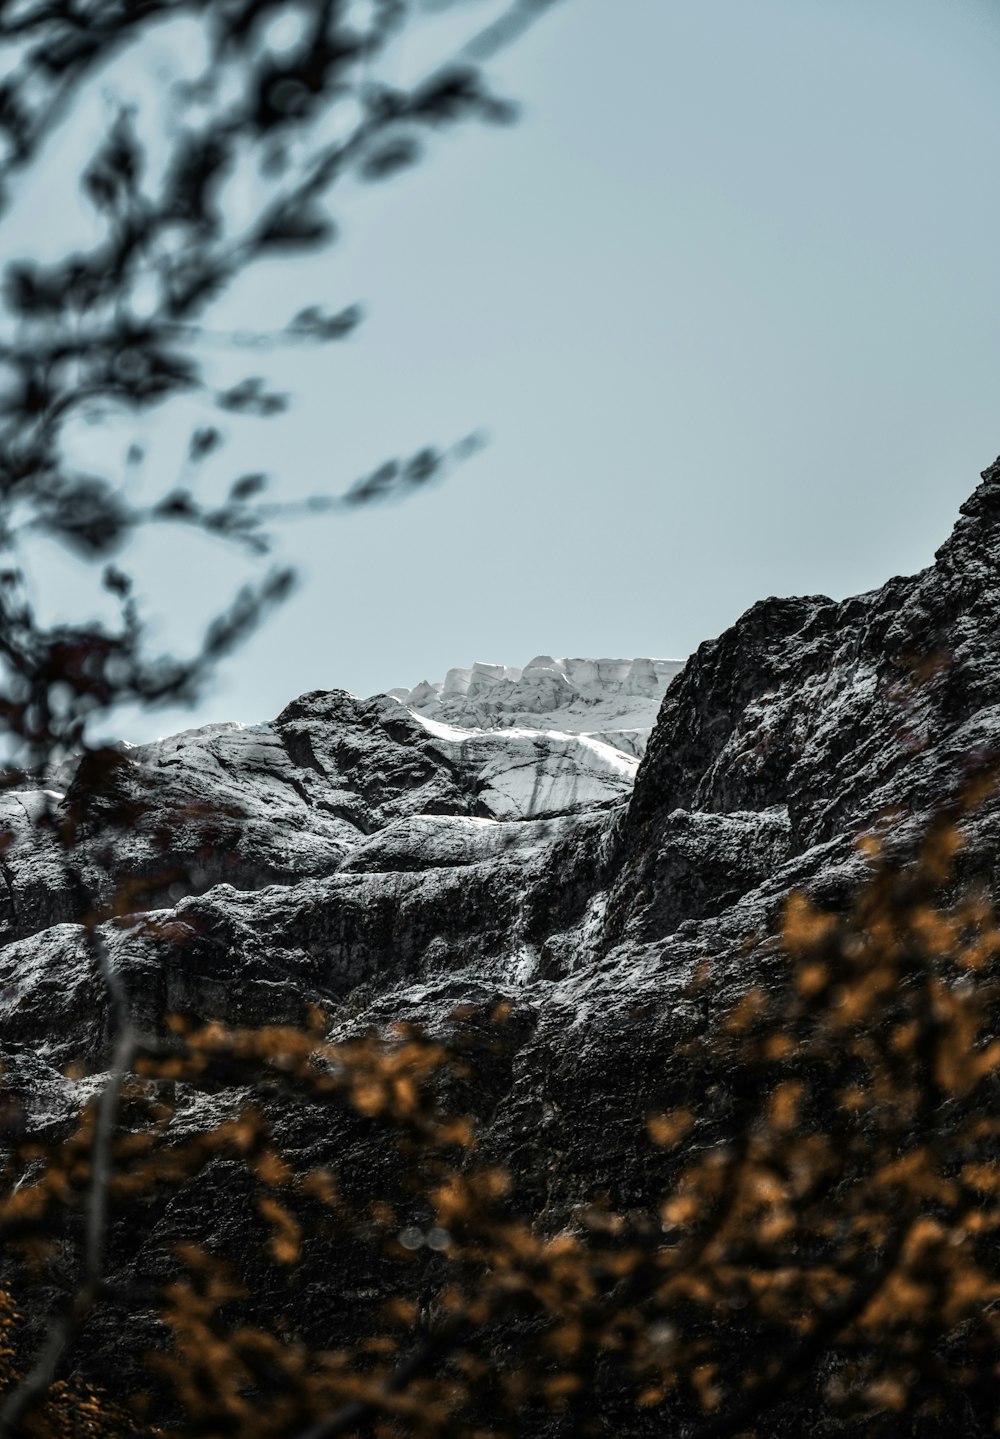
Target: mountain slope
{"points": [[390, 860]]}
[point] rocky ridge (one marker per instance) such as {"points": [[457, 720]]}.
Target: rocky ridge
{"points": [[374, 856], [612, 700]]}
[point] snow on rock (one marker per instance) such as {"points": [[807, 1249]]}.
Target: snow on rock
{"points": [[612, 700], [554, 737], [531, 774], [294, 799]]}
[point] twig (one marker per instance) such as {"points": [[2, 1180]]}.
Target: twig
{"points": [[343, 1420]]}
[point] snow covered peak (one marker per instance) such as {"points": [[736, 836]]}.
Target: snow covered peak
{"points": [[612, 700]]}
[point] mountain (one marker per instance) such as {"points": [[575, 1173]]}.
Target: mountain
{"points": [[612, 700], [341, 784], [494, 837]]}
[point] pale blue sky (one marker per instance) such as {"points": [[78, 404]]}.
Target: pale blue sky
{"points": [[727, 301]]}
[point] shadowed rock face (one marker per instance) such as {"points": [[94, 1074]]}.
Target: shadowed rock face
{"points": [[383, 862]]}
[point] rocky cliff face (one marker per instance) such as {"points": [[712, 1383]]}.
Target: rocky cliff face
{"points": [[395, 856]]}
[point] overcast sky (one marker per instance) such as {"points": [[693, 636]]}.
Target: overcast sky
{"points": [[727, 301]]}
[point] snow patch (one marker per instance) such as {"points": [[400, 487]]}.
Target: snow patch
{"points": [[614, 701]]}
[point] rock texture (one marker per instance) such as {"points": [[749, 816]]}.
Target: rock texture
{"points": [[391, 857]]}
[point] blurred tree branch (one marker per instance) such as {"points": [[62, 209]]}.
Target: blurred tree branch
{"points": [[288, 99]]}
